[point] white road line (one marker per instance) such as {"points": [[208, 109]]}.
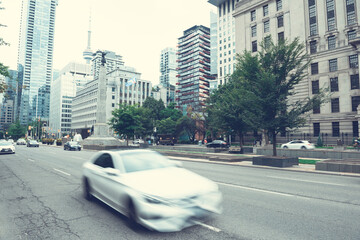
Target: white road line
{"points": [[208, 226], [31, 160], [255, 189], [301, 180], [68, 174]]}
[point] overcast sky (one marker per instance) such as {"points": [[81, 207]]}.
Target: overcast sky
{"points": [[136, 29]]}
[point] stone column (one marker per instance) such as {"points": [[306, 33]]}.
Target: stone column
{"points": [[101, 129]]}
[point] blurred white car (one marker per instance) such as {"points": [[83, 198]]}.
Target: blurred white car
{"points": [[298, 144], [6, 147], [150, 189]]}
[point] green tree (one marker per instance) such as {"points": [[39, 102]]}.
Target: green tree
{"points": [[125, 120], [187, 125], [146, 124], [170, 111], [279, 68], [166, 126], [16, 130], [155, 106]]}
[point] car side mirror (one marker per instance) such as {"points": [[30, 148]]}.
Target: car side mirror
{"points": [[112, 172]]}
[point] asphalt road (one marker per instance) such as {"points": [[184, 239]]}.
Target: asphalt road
{"points": [[41, 198]]}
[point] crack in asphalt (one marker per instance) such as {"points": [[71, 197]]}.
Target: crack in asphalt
{"points": [[34, 219]]}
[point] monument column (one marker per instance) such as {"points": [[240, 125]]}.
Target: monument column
{"points": [[101, 139]]}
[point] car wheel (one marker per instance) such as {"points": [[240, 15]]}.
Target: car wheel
{"points": [[303, 147], [132, 215], [87, 190], [285, 147]]}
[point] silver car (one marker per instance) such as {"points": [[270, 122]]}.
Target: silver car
{"points": [[150, 189]]}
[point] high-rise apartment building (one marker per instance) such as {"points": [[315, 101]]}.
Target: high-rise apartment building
{"points": [[226, 38], [35, 59], [168, 66], [7, 101], [193, 68], [213, 50], [330, 30], [71, 79], [113, 61]]}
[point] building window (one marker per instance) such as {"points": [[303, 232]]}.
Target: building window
{"points": [[316, 109], [278, 5], [315, 86], [330, 9], [355, 127], [335, 129], [113, 105], [253, 31], [266, 10], [350, 12], [313, 47], [113, 89], [335, 105], [254, 46], [334, 84], [351, 35], [112, 97], [267, 41], [354, 103], [316, 127], [219, 10], [281, 36], [220, 71], [353, 61], [312, 17], [333, 65], [280, 21], [314, 68], [331, 42], [354, 79], [266, 26], [253, 15]]}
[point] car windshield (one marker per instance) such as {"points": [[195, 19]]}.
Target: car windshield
{"points": [[5, 143], [73, 143], [33, 141], [141, 161]]}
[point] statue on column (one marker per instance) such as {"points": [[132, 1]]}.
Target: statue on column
{"points": [[103, 60]]}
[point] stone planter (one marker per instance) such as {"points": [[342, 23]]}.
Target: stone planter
{"points": [[275, 161]]}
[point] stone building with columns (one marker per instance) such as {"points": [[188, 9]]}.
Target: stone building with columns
{"points": [[330, 30], [117, 92]]}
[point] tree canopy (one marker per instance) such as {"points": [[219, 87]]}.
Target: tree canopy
{"points": [[16, 130], [257, 96]]}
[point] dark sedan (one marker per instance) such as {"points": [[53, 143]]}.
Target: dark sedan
{"points": [[217, 144], [32, 143], [72, 146]]}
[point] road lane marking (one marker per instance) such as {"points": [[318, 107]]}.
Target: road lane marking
{"points": [[31, 160], [255, 189], [301, 180], [68, 174], [208, 226]]}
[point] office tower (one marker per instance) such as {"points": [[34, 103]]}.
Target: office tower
{"points": [[193, 68], [113, 61], [72, 78], [226, 38], [213, 50], [35, 59], [168, 66], [330, 31]]}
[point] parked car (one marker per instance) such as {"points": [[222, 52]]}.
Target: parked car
{"points": [[298, 144], [6, 147], [11, 141], [72, 145], [138, 141], [217, 144], [21, 141], [150, 189], [32, 143]]}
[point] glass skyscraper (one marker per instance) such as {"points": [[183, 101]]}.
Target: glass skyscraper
{"points": [[35, 59]]}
